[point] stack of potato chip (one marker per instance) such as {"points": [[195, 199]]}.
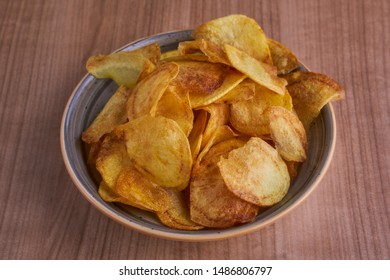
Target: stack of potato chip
{"points": [[207, 135]]}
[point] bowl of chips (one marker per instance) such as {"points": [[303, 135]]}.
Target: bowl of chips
{"points": [[199, 134]]}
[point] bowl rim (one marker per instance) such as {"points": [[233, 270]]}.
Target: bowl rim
{"points": [[186, 235]]}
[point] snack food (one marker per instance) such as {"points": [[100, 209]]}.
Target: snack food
{"points": [[205, 136]]}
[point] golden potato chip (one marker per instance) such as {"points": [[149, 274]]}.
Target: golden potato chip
{"points": [[293, 167], [123, 67], [248, 116], [288, 133], [196, 136], [218, 116], [174, 107], [310, 92], [177, 215], [242, 92], [282, 57], [239, 31], [169, 54], [256, 173], [112, 159], [140, 192], [159, 148], [213, 52], [113, 114], [148, 68], [221, 133], [206, 82], [109, 195], [262, 73], [93, 150], [211, 203], [147, 93]]}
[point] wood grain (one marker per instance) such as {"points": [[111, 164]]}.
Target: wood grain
{"points": [[43, 49]]}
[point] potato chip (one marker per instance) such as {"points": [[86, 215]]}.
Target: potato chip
{"points": [[206, 82], [242, 92], [211, 203], [113, 114], [140, 192], [221, 133], [177, 215], [196, 136], [282, 57], [159, 148], [239, 31], [293, 167], [112, 159], [310, 92], [288, 133], [218, 116], [214, 53], [256, 173], [248, 116], [176, 108], [262, 73], [123, 67], [109, 195], [169, 54], [147, 93]]}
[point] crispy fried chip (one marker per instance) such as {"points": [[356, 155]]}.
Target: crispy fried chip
{"points": [[113, 114], [206, 82], [282, 57], [112, 159], [242, 92], [221, 133], [288, 133], [196, 136], [123, 67], [218, 116], [248, 116], [140, 192], [256, 173], [310, 92], [147, 93], [177, 215], [159, 148], [239, 31], [262, 73], [211, 203], [172, 106], [213, 52]]}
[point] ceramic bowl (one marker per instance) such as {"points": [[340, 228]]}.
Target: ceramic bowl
{"points": [[88, 99]]}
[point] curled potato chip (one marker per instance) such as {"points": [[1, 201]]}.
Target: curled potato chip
{"points": [[112, 159], [242, 92], [177, 214], [248, 116], [140, 192], [172, 106], [123, 67], [310, 92], [159, 148], [211, 203], [196, 135], [282, 57], [205, 81], [256, 173], [262, 73], [213, 52], [147, 93], [221, 133], [112, 114], [288, 133], [239, 31], [218, 116]]}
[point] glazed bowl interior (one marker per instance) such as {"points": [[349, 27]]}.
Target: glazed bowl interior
{"points": [[88, 99]]}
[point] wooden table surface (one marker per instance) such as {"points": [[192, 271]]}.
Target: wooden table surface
{"points": [[43, 49]]}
